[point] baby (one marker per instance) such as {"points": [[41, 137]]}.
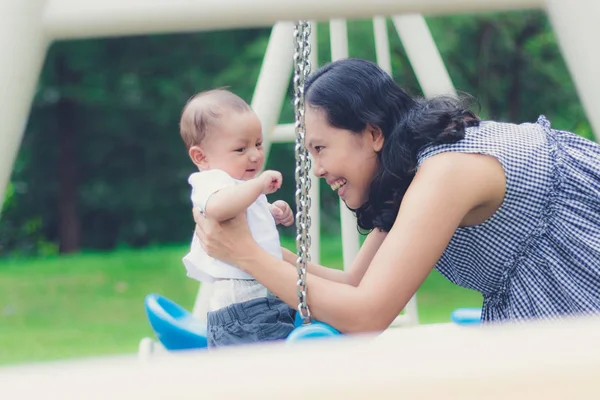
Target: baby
{"points": [[223, 137]]}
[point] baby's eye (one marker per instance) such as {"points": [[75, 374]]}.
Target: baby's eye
{"points": [[259, 144], [240, 150], [318, 148]]}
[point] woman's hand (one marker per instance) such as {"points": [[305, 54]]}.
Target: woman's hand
{"points": [[227, 240]]}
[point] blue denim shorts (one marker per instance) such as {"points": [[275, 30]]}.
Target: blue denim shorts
{"points": [[257, 320]]}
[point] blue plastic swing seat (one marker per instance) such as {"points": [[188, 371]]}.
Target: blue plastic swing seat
{"points": [[177, 329], [466, 316], [174, 326], [313, 330]]}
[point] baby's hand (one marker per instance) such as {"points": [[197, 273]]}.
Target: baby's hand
{"points": [[271, 181], [282, 213]]}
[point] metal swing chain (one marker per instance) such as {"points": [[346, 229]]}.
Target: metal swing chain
{"points": [[302, 171]]}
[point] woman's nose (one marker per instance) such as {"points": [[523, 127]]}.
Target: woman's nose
{"points": [[318, 170]]}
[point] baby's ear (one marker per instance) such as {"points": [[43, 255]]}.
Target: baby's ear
{"points": [[198, 157]]}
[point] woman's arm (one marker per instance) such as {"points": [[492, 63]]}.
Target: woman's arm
{"points": [[445, 190], [353, 274]]}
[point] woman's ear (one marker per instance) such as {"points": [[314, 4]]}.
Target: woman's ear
{"points": [[375, 136], [198, 157]]}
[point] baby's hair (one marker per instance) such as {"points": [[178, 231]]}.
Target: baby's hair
{"points": [[203, 110]]}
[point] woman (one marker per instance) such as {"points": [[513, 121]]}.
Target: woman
{"points": [[512, 211]]}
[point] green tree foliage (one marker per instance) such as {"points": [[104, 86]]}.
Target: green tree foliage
{"points": [[102, 165]]}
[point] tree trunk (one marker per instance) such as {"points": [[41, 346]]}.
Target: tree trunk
{"points": [[483, 60], [514, 93], [68, 165]]}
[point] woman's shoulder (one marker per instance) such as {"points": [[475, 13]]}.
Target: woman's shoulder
{"points": [[490, 137]]}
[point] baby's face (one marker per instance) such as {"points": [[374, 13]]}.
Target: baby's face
{"points": [[236, 147]]}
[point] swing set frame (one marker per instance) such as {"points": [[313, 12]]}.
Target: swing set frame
{"points": [[448, 361]]}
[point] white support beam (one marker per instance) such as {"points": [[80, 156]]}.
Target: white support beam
{"points": [[202, 302], [577, 27], [384, 60], [552, 360], [315, 192], [434, 80], [274, 79], [338, 33], [424, 55], [66, 19], [22, 53], [382, 44], [283, 133]]}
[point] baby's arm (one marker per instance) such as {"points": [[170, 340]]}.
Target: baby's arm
{"points": [[230, 201]]}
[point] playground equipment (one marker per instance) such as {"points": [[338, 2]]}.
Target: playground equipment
{"points": [[446, 361], [529, 361], [29, 26], [279, 61], [466, 316], [176, 328], [271, 87]]}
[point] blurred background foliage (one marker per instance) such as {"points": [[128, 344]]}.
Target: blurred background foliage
{"points": [[102, 166]]}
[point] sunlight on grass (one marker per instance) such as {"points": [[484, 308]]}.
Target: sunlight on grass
{"points": [[92, 304]]}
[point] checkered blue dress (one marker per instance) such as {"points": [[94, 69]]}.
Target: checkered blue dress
{"points": [[538, 256]]}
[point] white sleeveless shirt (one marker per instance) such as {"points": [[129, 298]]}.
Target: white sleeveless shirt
{"points": [[201, 266]]}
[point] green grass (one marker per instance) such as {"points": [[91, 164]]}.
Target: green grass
{"points": [[92, 304]]}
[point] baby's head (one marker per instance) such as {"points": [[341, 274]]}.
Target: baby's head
{"points": [[220, 131]]}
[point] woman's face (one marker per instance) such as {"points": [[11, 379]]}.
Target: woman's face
{"points": [[346, 160]]}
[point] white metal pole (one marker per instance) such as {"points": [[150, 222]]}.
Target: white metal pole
{"points": [[382, 44], [384, 60], [577, 29], [423, 55], [434, 79], [283, 133], [315, 192], [350, 241], [75, 19], [201, 304], [22, 53], [273, 79], [338, 35]]}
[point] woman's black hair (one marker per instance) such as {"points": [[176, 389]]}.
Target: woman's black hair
{"points": [[355, 93]]}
